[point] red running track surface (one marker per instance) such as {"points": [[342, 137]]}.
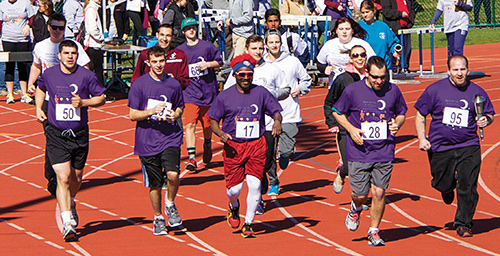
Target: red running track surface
{"points": [[306, 219]]}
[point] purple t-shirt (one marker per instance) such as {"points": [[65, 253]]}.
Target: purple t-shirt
{"points": [[59, 86], [243, 114], [203, 86], [371, 110], [453, 114], [153, 136]]}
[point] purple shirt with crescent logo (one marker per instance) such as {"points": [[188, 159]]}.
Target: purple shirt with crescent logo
{"points": [[360, 103], [201, 90], [232, 106], [152, 136], [443, 94], [60, 86]]}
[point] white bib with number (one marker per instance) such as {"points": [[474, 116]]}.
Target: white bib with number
{"points": [[66, 112], [195, 71], [374, 131], [456, 117], [152, 103], [247, 130]]}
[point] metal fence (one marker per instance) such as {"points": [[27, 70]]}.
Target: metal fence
{"points": [[485, 12]]}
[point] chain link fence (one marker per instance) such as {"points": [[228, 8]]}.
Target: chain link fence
{"points": [[484, 13]]}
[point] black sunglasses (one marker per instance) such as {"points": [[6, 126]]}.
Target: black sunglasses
{"points": [[377, 77], [355, 55], [61, 28]]}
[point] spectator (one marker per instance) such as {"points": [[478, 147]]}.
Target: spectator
{"points": [[153, 21], [477, 9], [94, 38], [241, 22], [135, 10], [222, 5], [261, 6], [177, 11], [456, 23], [293, 7], [122, 21], [399, 14], [14, 15], [336, 9], [39, 21], [73, 12], [334, 56]]}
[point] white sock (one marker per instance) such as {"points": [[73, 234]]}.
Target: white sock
{"points": [[253, 197], [159, 217], [372, 230], [168, 203], [66, 217], [354, 207], [233, 193]]}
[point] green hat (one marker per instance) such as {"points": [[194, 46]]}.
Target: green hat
{"points": [[188, 22]]}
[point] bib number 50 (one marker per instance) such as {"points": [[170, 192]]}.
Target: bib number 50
{"points": [[66, 112]]}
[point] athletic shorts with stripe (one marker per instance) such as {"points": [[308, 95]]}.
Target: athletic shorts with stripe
{"points": [[243, 158], [155, 167], [62, 147]]}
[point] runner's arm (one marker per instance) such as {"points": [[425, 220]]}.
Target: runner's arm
{"points": [[424, 144], [139, 115], [224, 137]]}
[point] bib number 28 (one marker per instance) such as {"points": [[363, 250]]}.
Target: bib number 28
{"points": [[374, 131]]}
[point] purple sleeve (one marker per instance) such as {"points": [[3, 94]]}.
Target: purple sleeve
{"points": [[216, 55], [41, 83], [135, 97], [424, 104], [343, 104], [95, 87], [488, 106], [272, 104], [401, 107], [179, 98], [216, 111]]}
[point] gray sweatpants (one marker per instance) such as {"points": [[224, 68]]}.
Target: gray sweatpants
{"points": [[287, 139]]}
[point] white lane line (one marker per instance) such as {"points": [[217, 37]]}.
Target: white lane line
{"points": [[199, 248], [319, 242], [293, 233], [80, 249], [207, 246], [481, 181], [73, 253], [54, 245], [15, 226], [35, 235], [21, 163], [108, 163]]}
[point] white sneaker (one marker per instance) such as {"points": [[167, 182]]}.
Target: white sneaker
{"points": [[26, 99], [10, 99]]}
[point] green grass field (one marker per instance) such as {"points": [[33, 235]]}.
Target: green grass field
{"points": [[475, 36]]}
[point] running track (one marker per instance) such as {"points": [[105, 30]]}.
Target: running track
{"points": [[306, 219]]}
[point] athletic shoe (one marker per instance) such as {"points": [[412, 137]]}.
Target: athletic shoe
{"points": [[74, 216], [3, 93], [283, 162], [207, 153], [448, 196], [174, 219], [233, 217], [338, 188], [365, 207], [52, 186], [191, 165], [159, 228], [260, 209], [10, 99], [464, 231], [352, 219], [247, 231], [69, 233], [17, 92], [27, 99], [109, 99], [274, 190], [374, 239]]}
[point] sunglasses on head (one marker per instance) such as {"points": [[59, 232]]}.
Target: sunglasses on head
{"points": [[244, 74], [377, 77], [355, 55], [54, 27]]}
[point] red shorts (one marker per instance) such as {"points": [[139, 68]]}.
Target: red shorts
{"points": [[244, 158], [193, 113]]}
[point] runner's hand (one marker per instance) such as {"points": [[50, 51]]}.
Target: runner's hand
{"points": [[31, 89], [482, 122], [225, 137], [328, 70], [172, 116], [334, 129], [40, 115], [76, 101], [393, 127], [357, 135], [424, 145]]}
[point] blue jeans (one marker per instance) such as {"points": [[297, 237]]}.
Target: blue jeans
{"points": [[2, 78], [456, 42]]}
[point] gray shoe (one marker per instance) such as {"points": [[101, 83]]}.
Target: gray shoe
{"points": [[336, 188], [159, 228], [69, 233], [174, 219], [74, 216], [3, 93]]}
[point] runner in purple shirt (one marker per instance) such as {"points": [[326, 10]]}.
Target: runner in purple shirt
{"points": [[156, 103], [69, 86], [241, 108], [372, 111], [203, 58], [453, 144]]}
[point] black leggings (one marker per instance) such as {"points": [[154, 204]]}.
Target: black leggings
{"points": [[10, 67], [137, 18], [96, 61]]}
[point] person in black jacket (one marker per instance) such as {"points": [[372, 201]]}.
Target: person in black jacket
{"points": [[354, 71], [397, 20], [39, 21], [178, 10]]}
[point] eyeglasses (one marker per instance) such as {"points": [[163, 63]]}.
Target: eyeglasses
{"points": [[355, 55], [244, 74], [61, 28], [377, 77], [190, 28]]}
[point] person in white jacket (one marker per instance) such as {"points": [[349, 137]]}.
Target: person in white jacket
{"points": [[73, 12], [300, 82], [94, 38]]}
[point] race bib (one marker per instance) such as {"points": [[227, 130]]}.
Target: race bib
{"points": [[152, 103], [195, 71], [456, 117], [66, 112], [247, 130], [374, 131]]}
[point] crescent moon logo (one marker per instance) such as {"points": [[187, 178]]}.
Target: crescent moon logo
{"points": [[383, 104], [466, 104], [256, 109], [75, 88], [164, 98], [201, 58]]}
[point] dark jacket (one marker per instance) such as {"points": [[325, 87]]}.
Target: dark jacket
{"points": [[39, 28], [333, 95], [392, 15], [179, 15]]}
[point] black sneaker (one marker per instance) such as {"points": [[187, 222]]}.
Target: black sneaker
{"points": [[110, 99], [448, 196], [52, 186], [464, 231]]}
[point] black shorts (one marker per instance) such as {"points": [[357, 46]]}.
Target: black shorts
{"points": [[62, 147], [153, 166]]}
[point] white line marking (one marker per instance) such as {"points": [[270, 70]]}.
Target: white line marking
{"points": [[19, 179], [15, 226], [21, 163], [292, 233], [108, 212], [72, 252], [199, 248], [319, 242], [54, 245], [80, 249], [481, 181], [194, 200], [35, 235]]}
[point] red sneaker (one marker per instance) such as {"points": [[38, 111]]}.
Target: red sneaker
{"points": [[233, 217], [191, 165]]}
